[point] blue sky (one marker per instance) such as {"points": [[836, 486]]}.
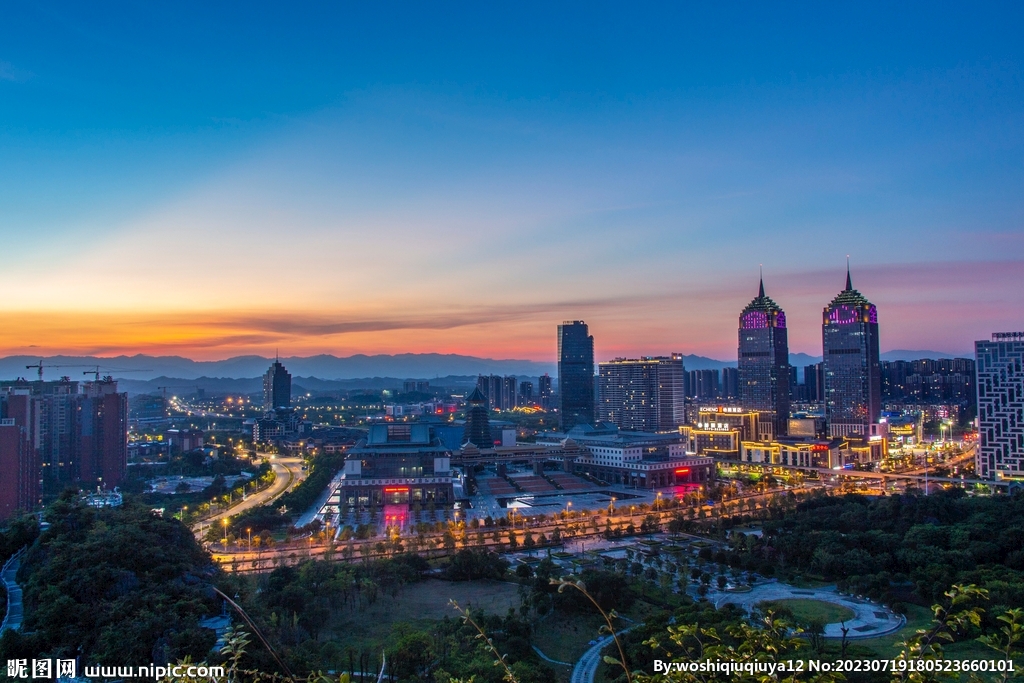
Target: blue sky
{"points": [[219, 180]]}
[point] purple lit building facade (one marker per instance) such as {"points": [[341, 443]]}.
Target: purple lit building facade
{"points": [[851, 369], [763, 366]]}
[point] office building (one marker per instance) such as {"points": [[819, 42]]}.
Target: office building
{"points": [[643, 394], [640, 460], [764, 359], [1000, 369], [852, 372], [575, 375], [277, 388], [398, 465]]}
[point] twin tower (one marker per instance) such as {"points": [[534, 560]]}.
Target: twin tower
{"points": [[851, 372]]}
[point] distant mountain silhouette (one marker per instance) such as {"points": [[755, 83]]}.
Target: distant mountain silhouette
{"points": [[375, 369]]}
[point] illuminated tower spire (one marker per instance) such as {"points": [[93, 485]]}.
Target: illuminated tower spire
{"points": [[851, 367], [763, 360]]}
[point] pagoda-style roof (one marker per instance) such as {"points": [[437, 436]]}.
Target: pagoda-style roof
{"points": [[762, 303], [477, 397], [849, 296]]}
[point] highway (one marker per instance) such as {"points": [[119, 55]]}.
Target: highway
{"points": [[289, 474]]}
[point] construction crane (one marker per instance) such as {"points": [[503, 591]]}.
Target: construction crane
{"points": [[96, 372], [39, 366]]}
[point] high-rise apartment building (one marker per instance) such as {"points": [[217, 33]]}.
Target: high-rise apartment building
{"points": [[544, 391], [703, 384], [77, 432], [501, 392], [19, 466], [947, 380], [277, 388], [730, 383], [764, 359], [644, 394], [1000, 366], [575, 374], [852, 372], [814, 380], [526, 393], [103, 434]]}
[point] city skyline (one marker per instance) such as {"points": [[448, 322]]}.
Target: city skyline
{"points": [[637, 185]]}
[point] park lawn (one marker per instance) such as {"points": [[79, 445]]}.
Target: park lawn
{"points": [[419, 605], [806, 610], [565, 637]]}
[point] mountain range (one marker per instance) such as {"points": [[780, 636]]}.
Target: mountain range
{"points": [[325, 367]]}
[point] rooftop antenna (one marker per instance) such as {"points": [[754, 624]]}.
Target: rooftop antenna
{"points": [[849, 282], [760, 268]]}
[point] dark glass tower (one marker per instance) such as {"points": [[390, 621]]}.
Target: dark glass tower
{"points": [[851, 369], [764, 359], [575, 374], [277, 388]]}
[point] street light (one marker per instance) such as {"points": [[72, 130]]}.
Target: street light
{"points": [[224, 523], [249, 531]]}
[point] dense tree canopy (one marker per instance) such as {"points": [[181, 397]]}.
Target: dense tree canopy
{"points": [[116, 586]]}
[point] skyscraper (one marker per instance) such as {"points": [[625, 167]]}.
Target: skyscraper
{"points": [[575, 374], [851, 369], [277, 388], [764, 359], [1000, 367], [644, 394], [478, 423]]}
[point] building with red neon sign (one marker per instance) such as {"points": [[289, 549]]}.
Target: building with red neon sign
{"points": [[398, 464]]}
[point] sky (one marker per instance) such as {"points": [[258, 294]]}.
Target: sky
{"points": [[211, 180]]}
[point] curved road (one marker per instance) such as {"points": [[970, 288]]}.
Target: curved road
{"points": [[586, 667], [289, 475], [12, 620]]}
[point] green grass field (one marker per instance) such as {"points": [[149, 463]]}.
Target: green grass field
{"points": [[418, 605], [805, 610]]}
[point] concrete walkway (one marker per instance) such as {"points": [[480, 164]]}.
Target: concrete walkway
{"points": [[870, 619], [12, 620]]}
